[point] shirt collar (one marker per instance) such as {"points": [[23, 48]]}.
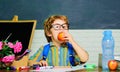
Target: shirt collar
{"points": [[52, 45]]}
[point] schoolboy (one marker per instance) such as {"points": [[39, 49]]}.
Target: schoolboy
{"points": [[58, 54]]}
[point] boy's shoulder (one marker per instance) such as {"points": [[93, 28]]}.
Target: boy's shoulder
{"points": [[42, 46]]}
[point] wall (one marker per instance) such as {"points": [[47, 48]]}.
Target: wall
{"points": [[89, 39]]}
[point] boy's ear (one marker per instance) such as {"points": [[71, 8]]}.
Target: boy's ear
{"points": [[49, 34]]}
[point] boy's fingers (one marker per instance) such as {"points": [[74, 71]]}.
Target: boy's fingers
{"points": [[46, 64], [43, 63], [40, 63]]}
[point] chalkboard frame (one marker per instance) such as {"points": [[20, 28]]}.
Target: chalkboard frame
{"points": [[22, 30]]}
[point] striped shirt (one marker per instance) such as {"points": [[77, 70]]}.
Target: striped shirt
{"points": [[56, 56]]}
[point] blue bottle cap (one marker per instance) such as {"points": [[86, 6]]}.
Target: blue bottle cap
{"points": [[107, 32]]}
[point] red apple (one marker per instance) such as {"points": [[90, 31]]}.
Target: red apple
{"points": [[61, 36], [112, 65]]}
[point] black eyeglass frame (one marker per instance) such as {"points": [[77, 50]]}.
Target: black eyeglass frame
{"points": [[60, 25]]}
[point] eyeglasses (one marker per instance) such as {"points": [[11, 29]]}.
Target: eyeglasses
{"points": [[58, 26]]}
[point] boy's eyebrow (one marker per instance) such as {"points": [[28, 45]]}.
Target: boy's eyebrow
{"points": [[59, 24]]}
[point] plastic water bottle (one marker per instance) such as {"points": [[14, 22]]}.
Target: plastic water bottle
{"points": [[107, 48]]}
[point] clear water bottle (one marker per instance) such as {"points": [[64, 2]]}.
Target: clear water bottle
{"points": [[107, 48]]}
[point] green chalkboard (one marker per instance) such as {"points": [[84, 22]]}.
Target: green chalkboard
{"points": [[82, 14]]}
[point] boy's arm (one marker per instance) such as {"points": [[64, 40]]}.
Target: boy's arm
{"points": [[35, 57], [82, 54]]}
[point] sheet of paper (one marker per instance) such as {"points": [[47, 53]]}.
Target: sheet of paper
{"points": [[59, 69]]}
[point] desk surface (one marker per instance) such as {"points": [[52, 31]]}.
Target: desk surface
{"points": [[78, 70]]}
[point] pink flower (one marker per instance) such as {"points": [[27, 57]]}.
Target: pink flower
{"points": [[17, 47], [0, 59], [1, 45], [10, 44], [9, 58]]}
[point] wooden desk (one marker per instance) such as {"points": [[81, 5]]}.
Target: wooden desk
{"points": [[79, 70]]}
